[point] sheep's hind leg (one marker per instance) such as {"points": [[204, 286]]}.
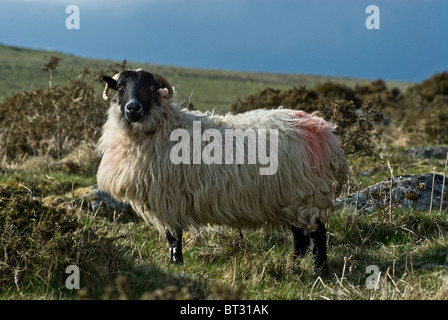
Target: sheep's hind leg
{"points": [[319, 248], [175, 242], [301, 242]]}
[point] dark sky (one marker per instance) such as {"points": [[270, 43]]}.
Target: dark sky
{"points": [[324, 37]]}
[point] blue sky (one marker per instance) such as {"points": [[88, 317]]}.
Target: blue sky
{"points": [[324, 37]]}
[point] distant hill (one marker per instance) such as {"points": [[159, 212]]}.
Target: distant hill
{"points": [[21, 69]]}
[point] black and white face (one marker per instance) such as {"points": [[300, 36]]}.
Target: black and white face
{"points": [[137, 93]]}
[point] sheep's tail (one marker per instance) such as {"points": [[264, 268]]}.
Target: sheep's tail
{"points": [[340, 168]]}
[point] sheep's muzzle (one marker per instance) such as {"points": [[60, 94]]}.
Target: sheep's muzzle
{"points": [[133, 111]]}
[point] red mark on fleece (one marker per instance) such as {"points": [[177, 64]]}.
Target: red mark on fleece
{"points": [[317, 134]]}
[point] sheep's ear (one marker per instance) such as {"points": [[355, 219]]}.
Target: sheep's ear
{"points": [[110, 83]]}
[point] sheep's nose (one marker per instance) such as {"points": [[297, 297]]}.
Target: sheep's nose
{"points": [[133, 106], [133, 111]]}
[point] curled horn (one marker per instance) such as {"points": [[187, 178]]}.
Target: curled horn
{"points": [[106, 88], [165, 84]]}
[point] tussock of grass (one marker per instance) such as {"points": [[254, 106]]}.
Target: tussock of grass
{"points": [[38, 242]]}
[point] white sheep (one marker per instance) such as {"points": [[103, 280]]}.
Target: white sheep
{"points": [[165, 161]]}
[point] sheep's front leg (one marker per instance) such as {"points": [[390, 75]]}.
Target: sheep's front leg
{"points": [[175, 242], [301, 241], [319, 248]]}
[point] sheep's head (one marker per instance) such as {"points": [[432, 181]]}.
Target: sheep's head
{"points": [[137, 92]]}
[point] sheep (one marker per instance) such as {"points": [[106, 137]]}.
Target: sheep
{"points": [[146, 129]]}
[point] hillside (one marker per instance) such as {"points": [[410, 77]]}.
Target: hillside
{"points": [[52, 217], [21, 69]]}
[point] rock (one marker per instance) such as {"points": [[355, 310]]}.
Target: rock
{"points": [[97, 198], [427, 153], [408, 191]]}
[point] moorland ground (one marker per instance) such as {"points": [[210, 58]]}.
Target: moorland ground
{"points": [[48, 162]]}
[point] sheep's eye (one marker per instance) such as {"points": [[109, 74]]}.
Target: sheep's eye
{"points": [[120, 88]]}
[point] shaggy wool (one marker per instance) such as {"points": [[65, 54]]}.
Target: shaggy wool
{"points": [[136, 167]]}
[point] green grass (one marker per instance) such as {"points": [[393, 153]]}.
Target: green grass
{"points": [[126, 258]]}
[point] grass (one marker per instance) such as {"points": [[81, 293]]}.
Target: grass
{"points": [[121, 256]]}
